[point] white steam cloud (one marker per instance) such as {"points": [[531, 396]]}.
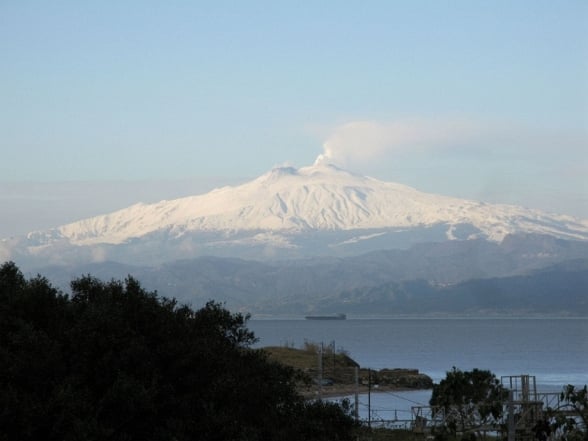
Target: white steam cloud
{"points": [[360, 142]]}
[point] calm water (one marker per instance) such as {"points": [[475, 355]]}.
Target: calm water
{"points": [[555, 351]]}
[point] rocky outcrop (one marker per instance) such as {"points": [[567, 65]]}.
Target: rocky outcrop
{"points": [[396, 378], [337, 374]]}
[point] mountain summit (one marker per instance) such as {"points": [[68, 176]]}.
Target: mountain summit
{"points": [[319, 197], [285, 204]]}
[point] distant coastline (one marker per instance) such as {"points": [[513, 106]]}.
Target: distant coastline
{"points": [[431, 316]]}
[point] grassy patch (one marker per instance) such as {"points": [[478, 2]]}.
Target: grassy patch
{"points": [[308, 358], [338, 369]]}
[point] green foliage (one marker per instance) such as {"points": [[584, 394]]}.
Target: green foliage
{"points": [[469, 399], [116, 362], [574, 426]]}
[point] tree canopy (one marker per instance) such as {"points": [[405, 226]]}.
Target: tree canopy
{"points": [[469, 399], [115, 362], [574, 424]]}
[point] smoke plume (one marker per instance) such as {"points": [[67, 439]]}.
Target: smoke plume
{"points": [[360, 142]]}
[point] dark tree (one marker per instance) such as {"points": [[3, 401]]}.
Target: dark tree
{"points": [[574, 422], [114, 362], [469, 399]]}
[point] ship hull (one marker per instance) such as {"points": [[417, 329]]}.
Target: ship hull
{"points": [[326, 317]]}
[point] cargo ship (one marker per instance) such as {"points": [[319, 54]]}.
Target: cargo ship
{"points": [[326, 317]]}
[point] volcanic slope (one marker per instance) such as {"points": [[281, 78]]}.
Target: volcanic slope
{"points": [[318, 197]]}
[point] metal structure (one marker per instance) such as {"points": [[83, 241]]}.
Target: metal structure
{"points": [[426, 419], [527, 411], [530, 410]]}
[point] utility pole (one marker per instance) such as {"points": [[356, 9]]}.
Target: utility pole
{"points": [[334, 355], [320, 372], [356, 408], [511, 417], [369, 398]]}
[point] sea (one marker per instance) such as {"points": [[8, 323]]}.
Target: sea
{"points": [[553, 351]]}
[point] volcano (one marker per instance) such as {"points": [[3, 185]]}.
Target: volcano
{"points": [[288, 212]]}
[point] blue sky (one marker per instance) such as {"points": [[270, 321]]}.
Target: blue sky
{"points": [[479, 99]]}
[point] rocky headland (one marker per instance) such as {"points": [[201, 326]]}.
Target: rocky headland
{"points": [[328, 373]]}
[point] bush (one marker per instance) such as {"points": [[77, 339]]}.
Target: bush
{"points": [[116, 362]]}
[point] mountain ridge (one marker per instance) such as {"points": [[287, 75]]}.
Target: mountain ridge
{"points": [[318, 197], [366, 285], [286, 213]]}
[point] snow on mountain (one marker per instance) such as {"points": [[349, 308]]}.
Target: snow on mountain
{"points": [[320, 197]]}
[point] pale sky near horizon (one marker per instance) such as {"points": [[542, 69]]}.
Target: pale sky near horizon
{"points": [[486, 100]]}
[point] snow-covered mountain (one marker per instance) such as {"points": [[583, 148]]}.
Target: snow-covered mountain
{"points": [[285, 204]]}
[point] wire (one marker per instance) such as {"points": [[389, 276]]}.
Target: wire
{"points": [[403, 398]]}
